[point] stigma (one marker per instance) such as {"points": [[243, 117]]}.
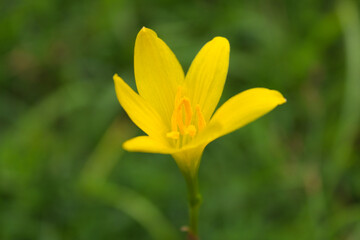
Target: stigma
{"points": [[183, 119]]}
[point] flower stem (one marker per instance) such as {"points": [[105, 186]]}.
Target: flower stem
{"points": [[194, 205], [188, 162]]}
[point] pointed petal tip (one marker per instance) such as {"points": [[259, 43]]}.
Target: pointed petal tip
{"points": [[125, 146], [220, 38], [144, 31], [146, 144], [117, 78], [280, 97], [128, 146], [222, 41]]}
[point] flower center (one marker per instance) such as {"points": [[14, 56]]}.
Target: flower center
{"points": [[182, 120]]}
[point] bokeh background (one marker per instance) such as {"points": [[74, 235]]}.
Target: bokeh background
{"points": [[293, 174]]}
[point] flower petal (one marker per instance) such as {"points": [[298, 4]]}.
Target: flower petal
{"points": [[207, 74], [187, 159], [157, 72], [240, 110], [140, 111], [147, 144]]}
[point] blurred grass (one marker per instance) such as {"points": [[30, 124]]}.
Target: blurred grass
{"points": [[94, 182], [294, 174], [349, 120]]}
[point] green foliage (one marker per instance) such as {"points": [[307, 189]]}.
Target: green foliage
{"points": [[293, 174]]}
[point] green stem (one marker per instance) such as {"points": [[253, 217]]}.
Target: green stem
{"points": [[194, 205], [188, 162]]}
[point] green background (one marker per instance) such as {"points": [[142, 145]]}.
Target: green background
{"points": [[293, 174]]}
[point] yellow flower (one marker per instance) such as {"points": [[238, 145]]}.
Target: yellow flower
{"points": [[176, 111]]}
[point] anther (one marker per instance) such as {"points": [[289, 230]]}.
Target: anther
{"points": [[200, 118], [191, 130], [173, 134]]}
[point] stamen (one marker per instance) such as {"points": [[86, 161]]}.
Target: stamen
{"points": [[180, 124], [191, 130], [175, 112], [179, 118], [173, 135], [200, 118], [188, 111]]}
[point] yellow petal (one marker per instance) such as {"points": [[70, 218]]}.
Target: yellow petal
{"points": [[147, 144], [186, 156], [240, 110], [157, 72], [140, 111], [207, 74]]}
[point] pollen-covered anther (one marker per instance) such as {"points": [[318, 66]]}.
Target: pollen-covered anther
{"points": [[191, 130], [173, 134]]}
